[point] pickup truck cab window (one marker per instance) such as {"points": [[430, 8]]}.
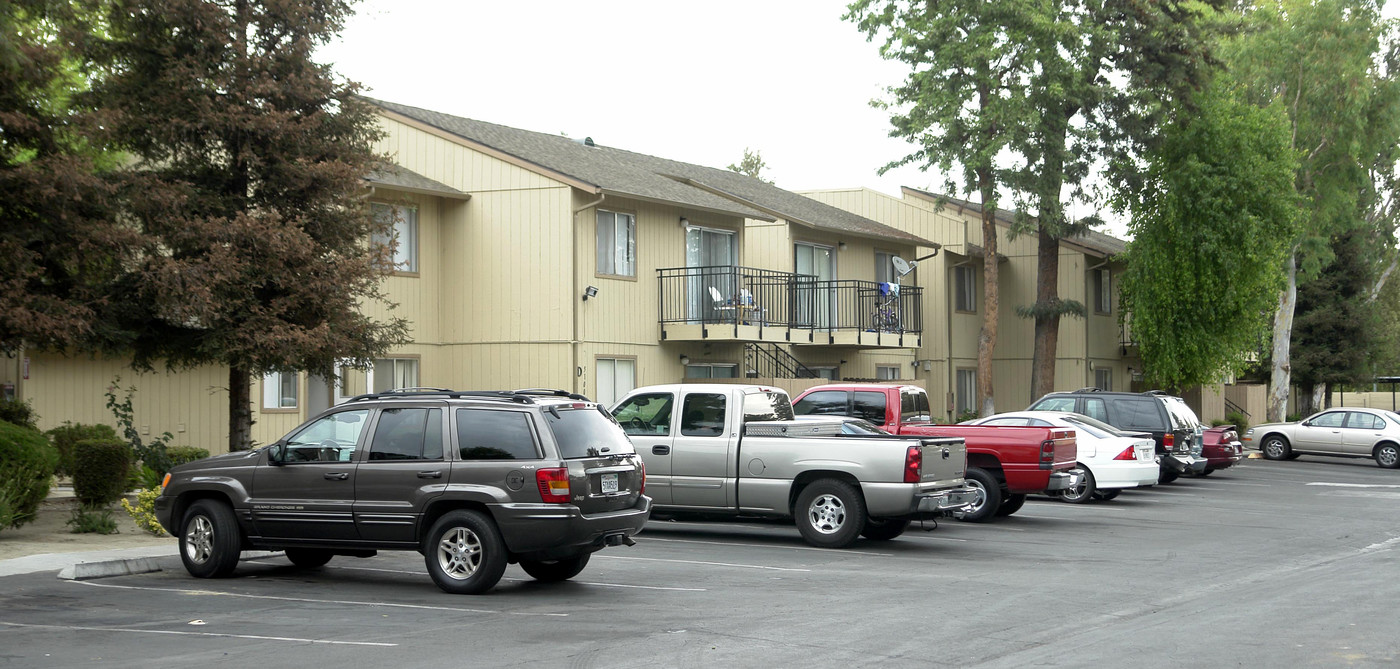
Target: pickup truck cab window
{"points": [[332, 438], [485, 434], [703, 415], [767, 406], [913, 407], [869, 405], [648, 415], [831, 402], [407, 434]]}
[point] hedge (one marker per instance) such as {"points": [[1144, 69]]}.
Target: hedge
{"points": [[100, 469], [64, 436], [27, 462]]}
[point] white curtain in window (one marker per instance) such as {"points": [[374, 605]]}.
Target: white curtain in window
{"points": [[616, 377]]}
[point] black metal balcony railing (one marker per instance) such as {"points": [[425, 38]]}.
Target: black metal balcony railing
{"points": [[768, 298]]}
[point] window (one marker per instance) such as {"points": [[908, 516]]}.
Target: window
{"points": [[646, 414], [1103, 292], [869, 406], [1006, 422], [486, 434], [280, 390], [615, 378], [703, 415], [884, 267], [966, 394], [1103, 379], [394, 373], [617, 243], [1095, 408], [587, 433], [887, 372], [404, 237], [964, 288], [831, 402], [913, 407], [331, 438], [767, 406], [407, 434], [1054, 404], [1332, 419], [711, 371], [1135, 414]]}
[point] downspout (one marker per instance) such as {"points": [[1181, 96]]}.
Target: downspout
{"points": [[575, 293]]}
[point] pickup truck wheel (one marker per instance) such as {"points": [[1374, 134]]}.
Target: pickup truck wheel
{"points": [[830, 514], [988, 496], [1105, 495], [308, 558], [884, 529], [551, 571], [209, 539], [1387, 456], [1275, 448], [1081, 493], [465, 553], [1011, 504]]}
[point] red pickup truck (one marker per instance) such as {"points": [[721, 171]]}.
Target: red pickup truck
{"points": [[1005, 463]]}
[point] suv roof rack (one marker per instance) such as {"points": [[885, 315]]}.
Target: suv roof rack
{"points": [[522, 396], [1090, 389]]}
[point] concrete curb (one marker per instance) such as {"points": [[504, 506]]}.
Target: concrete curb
{"points": [[83, 571]]}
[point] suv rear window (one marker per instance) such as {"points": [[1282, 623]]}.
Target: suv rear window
{"points": [[583, 433], [1137, 414]]}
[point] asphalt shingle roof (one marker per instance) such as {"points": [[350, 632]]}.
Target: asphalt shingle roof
{"points": [[402, 178], [626, 173]]}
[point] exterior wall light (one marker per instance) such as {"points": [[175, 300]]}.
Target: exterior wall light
{"points": [[685, 360], [591, 291]]}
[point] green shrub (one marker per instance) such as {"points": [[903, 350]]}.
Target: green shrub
{"points": [[100, 469], [27, 461], [19, 413], [95, 519], [143, 511], [64, 436], [179, 455], [1238, 420]]}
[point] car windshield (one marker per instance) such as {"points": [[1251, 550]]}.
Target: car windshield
{"points": [[584, 431]]}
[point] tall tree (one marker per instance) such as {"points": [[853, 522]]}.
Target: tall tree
{"points": [[247, 185], [964, 99], [1320, 58], [752, 165], [60, 244], [1211, 221], [1336, 328]]}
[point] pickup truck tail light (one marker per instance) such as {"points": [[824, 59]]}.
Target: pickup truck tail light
{"points": [[1129, 453], [913, 462], [1047, 454], [554, 484]]}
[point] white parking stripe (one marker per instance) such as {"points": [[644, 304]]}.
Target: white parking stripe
{"points": [[191, 591], [735, 543], [525, 580], [68, 628], [1354, 485], [713, 564]]}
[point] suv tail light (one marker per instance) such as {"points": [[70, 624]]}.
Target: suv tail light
{"points": [[913, 462], [642, 469], [1129, 453], [1169, 441], [554, 484]]}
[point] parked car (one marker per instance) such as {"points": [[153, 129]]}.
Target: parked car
{"points": [[472, 480], [1109, 459], [1221, 448], [1003, 463], [731, 451], [1172, 424], [1347, 432]]}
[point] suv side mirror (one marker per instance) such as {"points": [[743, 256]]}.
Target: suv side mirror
{"points": [[276, 453]]}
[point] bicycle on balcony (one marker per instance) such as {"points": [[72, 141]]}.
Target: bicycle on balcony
{"points": [[885, 317]]}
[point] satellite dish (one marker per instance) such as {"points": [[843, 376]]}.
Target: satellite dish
{"points": [[903, 266]]}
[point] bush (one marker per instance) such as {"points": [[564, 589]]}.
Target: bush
{"points": [[19, 413], [1238, 420], [92, 520], [100, 469], [64, 436], [144, 511], [179, 455], [27, 461]]}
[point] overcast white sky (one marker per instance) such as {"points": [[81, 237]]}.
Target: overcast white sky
{"points": [[696, 82]]}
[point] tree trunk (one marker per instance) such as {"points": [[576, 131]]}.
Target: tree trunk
{"points": [[987, 338], [1283, 331], [240, 409], [1322, 397], [1047, 319]]}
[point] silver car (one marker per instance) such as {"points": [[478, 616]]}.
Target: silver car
{"points": [[1348, 432]]}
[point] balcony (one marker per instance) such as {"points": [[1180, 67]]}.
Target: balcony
{"points": [[726, 303]]}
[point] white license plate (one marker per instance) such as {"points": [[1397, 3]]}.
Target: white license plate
{"points": [[609, 482]]}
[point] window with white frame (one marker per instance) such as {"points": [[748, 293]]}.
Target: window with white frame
{"points": [[1103, 379], [965, 288], [1103, 291], [711, 371], [404, 236], [280, 390], [965, 395], [617, 243], [887, 372], [393, 373], [616, 376]]}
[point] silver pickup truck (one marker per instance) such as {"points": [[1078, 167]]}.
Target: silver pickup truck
{"points": [[736, 450]]}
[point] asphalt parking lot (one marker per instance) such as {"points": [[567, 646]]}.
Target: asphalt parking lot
{"points": [[1269, 564]]}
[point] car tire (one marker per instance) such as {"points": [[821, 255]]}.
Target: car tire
{"points": [[553, 571], [1082, 492], [308, 558], [884, 529], [1011, 504], [1105, 495], [988, 497], [1387, 456], [830, 513], [1167, 477], [210, 539], [1275, 447], [464, 553]]}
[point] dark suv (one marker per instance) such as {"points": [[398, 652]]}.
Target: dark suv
{"points": [[472, 480], [1172, 424]]}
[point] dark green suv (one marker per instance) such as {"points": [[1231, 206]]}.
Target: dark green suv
{"points": [[472, 480]]}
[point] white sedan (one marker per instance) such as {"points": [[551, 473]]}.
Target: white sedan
{"points": [[1110, 459]]}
